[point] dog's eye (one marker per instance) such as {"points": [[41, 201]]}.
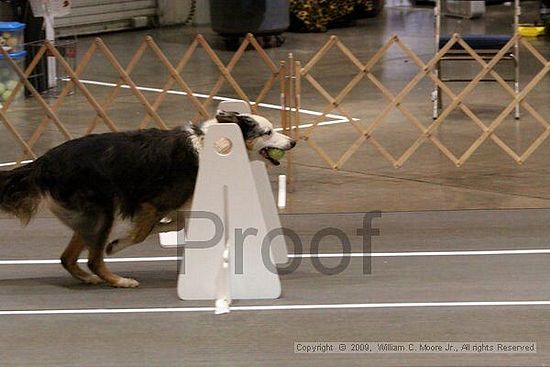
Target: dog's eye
{"points": [[269, 132]]}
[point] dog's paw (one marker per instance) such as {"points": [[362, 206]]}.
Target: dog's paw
{"points": [[126, 283], [111, 247], [92, 279]]}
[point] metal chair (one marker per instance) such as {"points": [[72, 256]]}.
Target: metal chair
{"points": [[485, 45]]}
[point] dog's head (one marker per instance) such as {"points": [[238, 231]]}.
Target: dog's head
{"points": [[258, 134]]}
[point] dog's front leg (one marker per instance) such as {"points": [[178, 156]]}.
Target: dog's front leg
{"points": [[143, 223], [139, 232], [148, 222], [174, 221]]}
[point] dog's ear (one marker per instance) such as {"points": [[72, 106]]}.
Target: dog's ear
{"points": [[227, 117], [245, 122]]}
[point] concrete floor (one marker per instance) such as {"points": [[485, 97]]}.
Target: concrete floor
{"points": [[264, 337], [423, 210]]}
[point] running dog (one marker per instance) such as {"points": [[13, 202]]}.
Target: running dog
{"points": [[141, 175]]}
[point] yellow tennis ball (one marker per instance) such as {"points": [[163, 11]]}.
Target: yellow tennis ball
{"points": [[6, 95], [275, 153], [10, 85]]}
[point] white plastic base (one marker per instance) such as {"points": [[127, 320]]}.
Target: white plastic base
{"points": [[203, 274], [238, 192]]}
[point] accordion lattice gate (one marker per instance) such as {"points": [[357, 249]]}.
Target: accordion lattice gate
{"points": [[288, 77], [101, 108], [426, 129]]}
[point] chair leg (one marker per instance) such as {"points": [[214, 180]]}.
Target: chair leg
{"points": [[516, 83], [435, 103], [436, 95], [516, 89]]}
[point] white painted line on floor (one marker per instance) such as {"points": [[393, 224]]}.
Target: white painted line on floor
{"points": [[303, 126], [201, 95], [428, 253], [14, 163], [391, 305], [348, 306], [105, 311], [305, 256], [338, 119], [109, 260], [323, 123]]}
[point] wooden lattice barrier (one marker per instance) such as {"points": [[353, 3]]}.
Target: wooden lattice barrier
{"points": [[425, 70], [101, 109], [289, 75]]}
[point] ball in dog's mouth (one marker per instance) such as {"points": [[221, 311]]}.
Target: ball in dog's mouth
{"points": [[274, 155]]}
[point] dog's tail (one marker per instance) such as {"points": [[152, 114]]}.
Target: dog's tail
{"points": [[19, 194]]}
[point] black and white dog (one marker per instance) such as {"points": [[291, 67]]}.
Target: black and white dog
{"points": [[139, 175]]}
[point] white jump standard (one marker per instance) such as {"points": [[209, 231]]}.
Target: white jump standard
{"points": [[227, 252]]}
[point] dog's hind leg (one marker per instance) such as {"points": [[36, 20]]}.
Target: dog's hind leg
{"points": [[92, 224], [69, 260], [97, 265], [78, 222], [143, 223], [96, 247]]}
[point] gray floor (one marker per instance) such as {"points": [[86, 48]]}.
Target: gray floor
{"points": [[415, 201], [265, 337]]}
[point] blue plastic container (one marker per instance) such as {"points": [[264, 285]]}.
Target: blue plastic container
{"points": [[12, 36], [8, 76]]}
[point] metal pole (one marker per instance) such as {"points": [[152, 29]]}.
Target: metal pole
{"points": [[436, 92], [517, 13], [50, 36]]}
